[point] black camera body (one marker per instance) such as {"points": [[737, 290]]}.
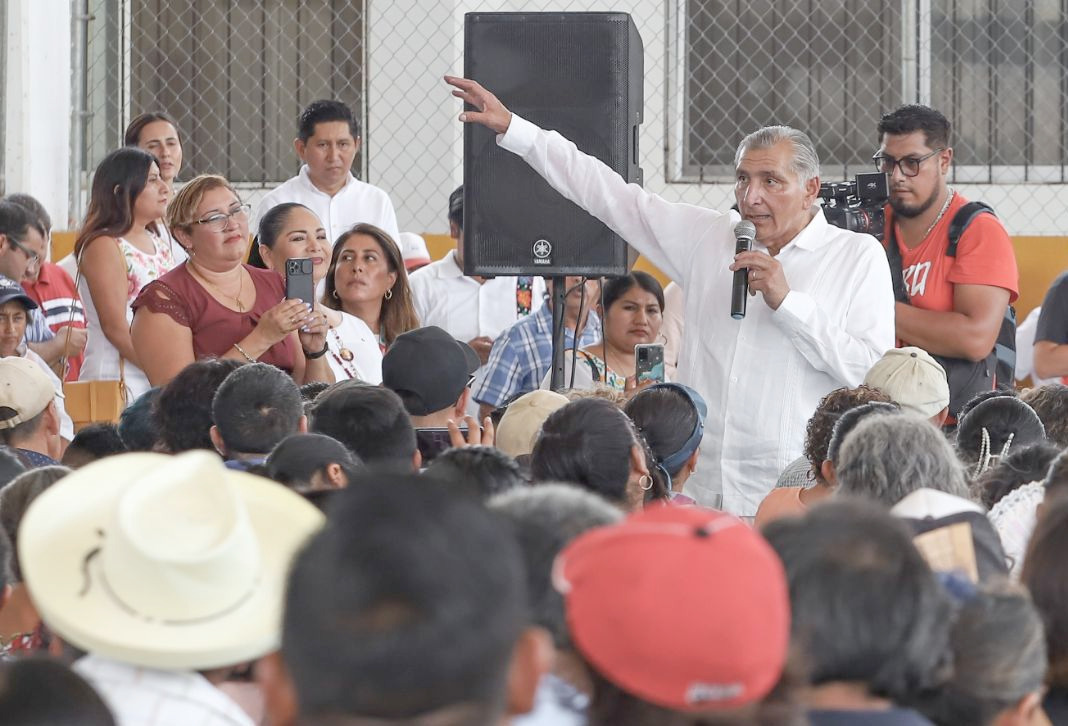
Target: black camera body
{"points": [[858, 205]]}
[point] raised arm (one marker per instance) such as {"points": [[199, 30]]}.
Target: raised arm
{"points": [[666, 233]]}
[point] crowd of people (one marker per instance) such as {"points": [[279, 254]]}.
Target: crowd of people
{"points": [[370, 508]]}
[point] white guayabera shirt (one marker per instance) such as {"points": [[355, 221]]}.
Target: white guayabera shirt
{"points": [[764, 375]]}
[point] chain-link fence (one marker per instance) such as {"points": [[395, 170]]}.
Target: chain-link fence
{"points": [[236, 74]]}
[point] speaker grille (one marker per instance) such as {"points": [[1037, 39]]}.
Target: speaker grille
{"points": [[576, 73]]}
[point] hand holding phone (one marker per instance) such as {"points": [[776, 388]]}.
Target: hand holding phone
{"points": [[299, 283], [649, 363]]}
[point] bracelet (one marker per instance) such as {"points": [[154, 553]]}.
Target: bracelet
{"points": [[320, 354], [241, 350]]}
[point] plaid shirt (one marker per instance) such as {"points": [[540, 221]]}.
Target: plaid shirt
{"points": [[522, 354], [148, 697]]}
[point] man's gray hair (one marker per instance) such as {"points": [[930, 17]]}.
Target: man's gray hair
{"points": [[886, 458], [806, 162], [545, 518]]}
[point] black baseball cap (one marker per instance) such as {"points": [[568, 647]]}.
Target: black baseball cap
{"points": [[428, 369], [11, 290]]}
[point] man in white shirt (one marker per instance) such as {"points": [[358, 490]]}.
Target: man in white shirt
{"points": [[474, 310], [327, 143], [825, 312]]}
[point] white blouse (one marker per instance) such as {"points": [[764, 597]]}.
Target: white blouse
{"points": [[353, 352]]}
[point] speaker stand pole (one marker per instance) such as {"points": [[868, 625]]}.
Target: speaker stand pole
{"points": [[556, 379]]}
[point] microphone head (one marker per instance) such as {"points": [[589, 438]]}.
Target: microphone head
{"points": [[745, 230]]}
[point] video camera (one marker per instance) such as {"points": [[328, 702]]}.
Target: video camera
{"points": [[857, 205]]}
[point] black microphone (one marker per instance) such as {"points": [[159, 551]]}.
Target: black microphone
{"points": [[744, 234]]}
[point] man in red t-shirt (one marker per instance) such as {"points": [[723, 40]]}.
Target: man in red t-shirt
{"points": [[956, 304]]}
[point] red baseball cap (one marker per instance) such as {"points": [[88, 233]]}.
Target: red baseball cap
{"points": [[683, 607]]}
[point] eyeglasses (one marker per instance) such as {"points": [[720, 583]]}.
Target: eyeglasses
{"points": [[32, 256], [220, 221], [910, 165]]}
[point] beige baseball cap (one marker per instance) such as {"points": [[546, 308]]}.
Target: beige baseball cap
{"points": [[522, 421], [25, 389], [913, 379]]}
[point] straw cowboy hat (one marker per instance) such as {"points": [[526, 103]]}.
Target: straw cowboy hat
{"points": [[164, 562]]}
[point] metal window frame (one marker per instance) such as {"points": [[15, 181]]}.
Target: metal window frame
{"points": [[916, 87]]}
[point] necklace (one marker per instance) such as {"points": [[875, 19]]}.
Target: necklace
{"points": [[941, 214], [240, 287], [343, 356]]}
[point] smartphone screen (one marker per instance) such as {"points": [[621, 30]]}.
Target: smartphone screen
{"points": [[299, 284], [649, 362], [432, 442]]}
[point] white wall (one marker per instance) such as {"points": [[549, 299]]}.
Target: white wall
{"points": [[37, 50]]}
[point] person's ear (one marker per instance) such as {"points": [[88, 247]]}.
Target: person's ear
{"points": [[184, 238], [5, 595], [302, 424], [217, 440], [460, 407], [454, 230], [946, 159], [417, 460], [52, 422], [531, 659], [279, 695], [1025, 712], [939, 419], [638, 466], [828, 473], [300, 147], [812, 190], [357, 145], [265, 255], [335, 476], [691, 463]]}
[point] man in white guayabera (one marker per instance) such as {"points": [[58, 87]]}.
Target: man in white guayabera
{"points": [[825, 311]]}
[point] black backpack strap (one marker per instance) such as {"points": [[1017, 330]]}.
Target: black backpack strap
{"points": [[961, 220], [897, 272]]}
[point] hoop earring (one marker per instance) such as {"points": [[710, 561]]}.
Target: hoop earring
{"points": [[389, 294], [334, 295], [645, 482]]}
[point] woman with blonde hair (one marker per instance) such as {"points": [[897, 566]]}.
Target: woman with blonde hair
{"points": [[214, 305]]}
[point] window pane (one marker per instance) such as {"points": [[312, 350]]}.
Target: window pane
{"points": [[235, 76], [828, 68]]}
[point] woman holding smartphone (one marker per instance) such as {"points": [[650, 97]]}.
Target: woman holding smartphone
{"points": [[631, 310], [291, 230], [214, 305]]}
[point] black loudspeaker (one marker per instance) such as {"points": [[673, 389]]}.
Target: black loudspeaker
{"points": [[580, 74]]}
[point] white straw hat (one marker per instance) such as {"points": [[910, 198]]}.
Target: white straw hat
{"points": [[165, 562]]}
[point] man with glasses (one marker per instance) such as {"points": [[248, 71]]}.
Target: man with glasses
{"points": [[22, 248], [951, 305]]}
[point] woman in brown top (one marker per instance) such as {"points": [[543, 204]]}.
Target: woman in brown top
{"points": [[214, 305]]}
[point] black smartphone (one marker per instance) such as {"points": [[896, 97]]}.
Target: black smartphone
{"points": [[649, 362], [432, 442], [299, 283]]}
